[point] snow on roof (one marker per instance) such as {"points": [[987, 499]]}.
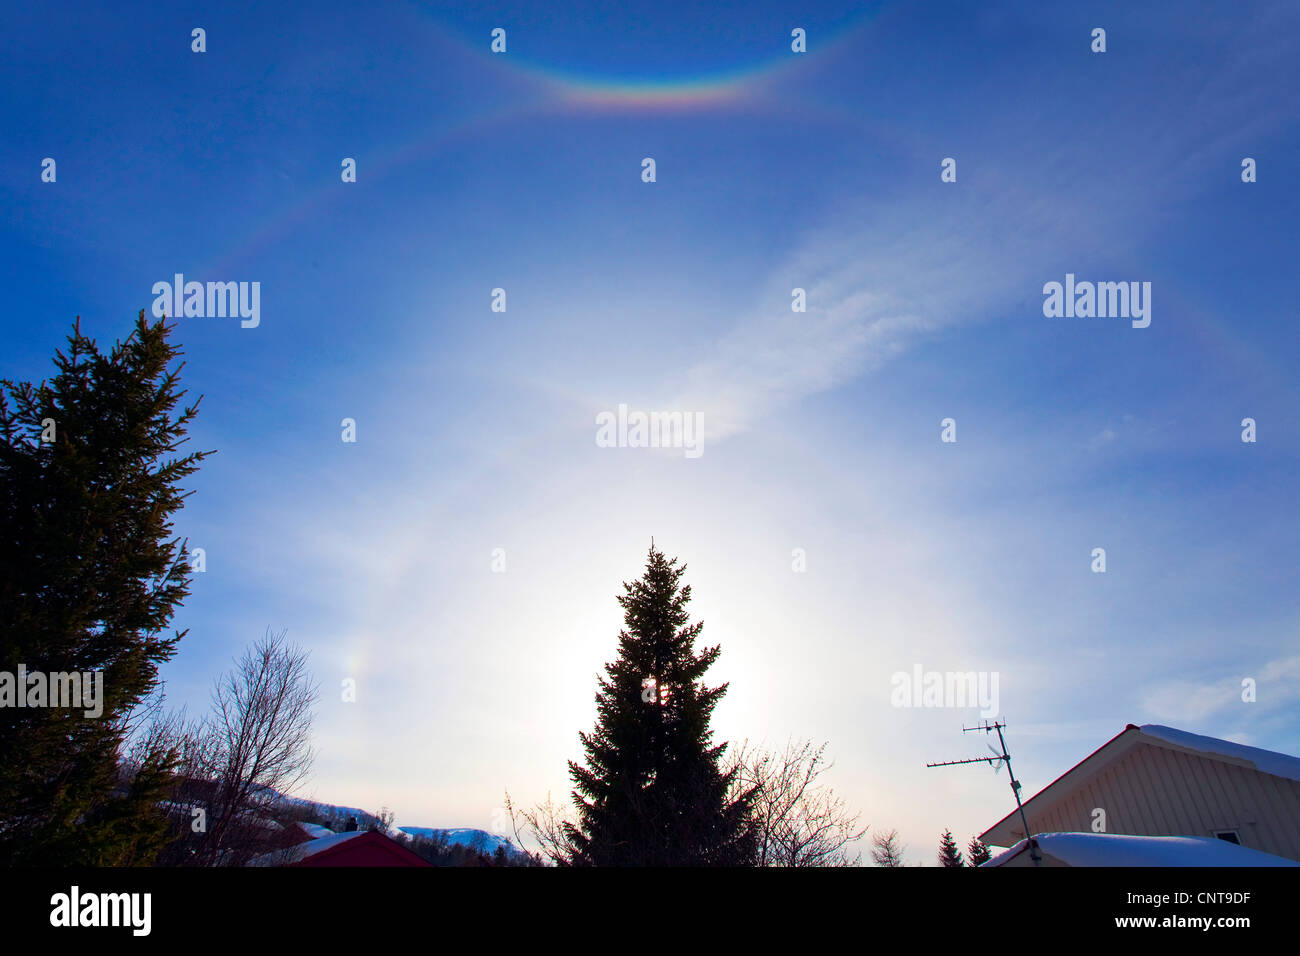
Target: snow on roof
{"points": [[1266, 761], [296, 854], [315, 830], [1120, 849]]}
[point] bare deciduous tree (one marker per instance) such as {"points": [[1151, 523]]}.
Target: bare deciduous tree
{"points": [[798, 819], [545, 825], [885, 849], [255, 744]]}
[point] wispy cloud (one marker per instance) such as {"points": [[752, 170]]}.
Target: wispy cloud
{"points": [[1277, 685], [886, 275]]}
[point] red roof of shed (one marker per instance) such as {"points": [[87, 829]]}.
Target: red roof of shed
{"points": [[359, 848]]}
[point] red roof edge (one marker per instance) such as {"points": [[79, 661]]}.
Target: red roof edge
{"points": [[1041, 790]]}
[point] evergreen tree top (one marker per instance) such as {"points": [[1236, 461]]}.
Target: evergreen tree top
{"points": [[949, 854], [652, 791]]}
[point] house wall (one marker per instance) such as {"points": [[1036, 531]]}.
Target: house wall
{"points": [[1155, 791]]}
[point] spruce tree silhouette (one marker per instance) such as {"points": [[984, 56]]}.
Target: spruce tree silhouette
{"points": [[652, 792], [949, 855], [90, 578]]}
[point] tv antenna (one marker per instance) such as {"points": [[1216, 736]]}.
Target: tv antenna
{"points": [[996, 762]]}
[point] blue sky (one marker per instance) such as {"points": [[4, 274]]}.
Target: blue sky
{"points": [[775, 170]]}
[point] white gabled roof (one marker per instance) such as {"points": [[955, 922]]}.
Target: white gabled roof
{"points": [[1265, 761], [1254, 758]]}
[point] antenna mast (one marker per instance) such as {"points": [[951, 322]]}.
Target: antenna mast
{"points": [[996, 761]]}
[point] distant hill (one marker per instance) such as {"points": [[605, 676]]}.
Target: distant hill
{"points": [[479, 840], [336, 818], [330, 815]]}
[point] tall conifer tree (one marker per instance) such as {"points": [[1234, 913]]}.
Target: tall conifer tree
{"points": [[90, 577], [652, 792]]}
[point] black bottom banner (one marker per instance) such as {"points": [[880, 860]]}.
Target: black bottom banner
{"points": [[330, 906]]}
